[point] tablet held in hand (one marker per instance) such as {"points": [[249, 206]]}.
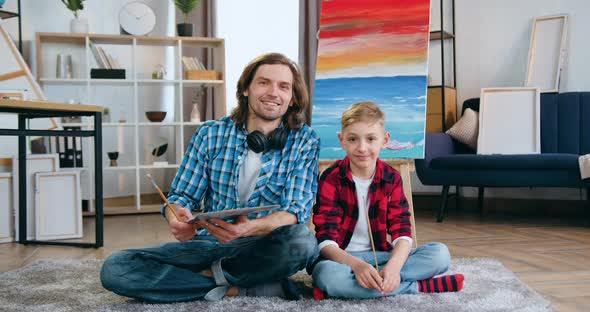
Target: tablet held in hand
{"points": [[231, 213]]}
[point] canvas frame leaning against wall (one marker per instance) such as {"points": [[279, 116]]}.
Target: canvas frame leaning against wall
{"points": [[58, 205], [509, 121], [547, 53]]}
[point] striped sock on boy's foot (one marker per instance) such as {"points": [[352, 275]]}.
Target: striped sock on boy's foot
{"points": [[318, 294], [446, 283]]}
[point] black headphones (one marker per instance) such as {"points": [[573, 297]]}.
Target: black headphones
{"points": [[258, 142]]}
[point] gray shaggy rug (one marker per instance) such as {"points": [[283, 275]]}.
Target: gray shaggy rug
{"points": [[75, 286]]}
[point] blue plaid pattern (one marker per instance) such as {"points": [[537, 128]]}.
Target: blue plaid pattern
{"points": [[208, 175]]}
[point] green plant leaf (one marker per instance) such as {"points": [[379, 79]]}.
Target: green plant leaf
{"points": [[185, 6], [74, 5]]}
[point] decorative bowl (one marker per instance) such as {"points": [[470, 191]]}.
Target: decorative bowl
{"points": [[155, 116]]}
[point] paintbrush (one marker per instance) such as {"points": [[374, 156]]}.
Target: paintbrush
{"points": [[163, 197], [372, 242]]}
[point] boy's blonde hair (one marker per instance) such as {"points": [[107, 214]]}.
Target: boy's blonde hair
{"points": [[368, 112]]}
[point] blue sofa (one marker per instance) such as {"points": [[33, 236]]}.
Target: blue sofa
{"points": [[565, 135]]}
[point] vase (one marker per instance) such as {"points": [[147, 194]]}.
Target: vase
{"points": [[195, 115], [79, 25], [113, 157]]}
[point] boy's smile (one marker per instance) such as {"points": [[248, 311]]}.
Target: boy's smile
{"points": [[363, 143]]}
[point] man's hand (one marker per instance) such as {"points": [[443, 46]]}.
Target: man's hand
{"points": [[180, 230], [367, 276], [226, 232], [391, 279]]}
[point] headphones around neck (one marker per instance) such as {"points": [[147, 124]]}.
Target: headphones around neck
{"points": [[258, 142]]}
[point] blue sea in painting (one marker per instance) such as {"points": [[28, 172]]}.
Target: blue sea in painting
{"points": [[401, 98]]}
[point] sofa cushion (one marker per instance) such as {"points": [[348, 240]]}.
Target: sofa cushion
{"points": [[466, 129], [508, 162]]}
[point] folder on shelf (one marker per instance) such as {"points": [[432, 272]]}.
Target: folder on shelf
{"points": [[78, 152], [70, 150]]}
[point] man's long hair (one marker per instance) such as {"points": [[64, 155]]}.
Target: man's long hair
{"points": [[295, 115]]}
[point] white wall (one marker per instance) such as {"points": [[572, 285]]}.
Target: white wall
{"points": [[493, 40], [492, 43], [251, 28]]}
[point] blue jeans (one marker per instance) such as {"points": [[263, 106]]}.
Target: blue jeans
{"points": [[171, 272], [338, 280]]}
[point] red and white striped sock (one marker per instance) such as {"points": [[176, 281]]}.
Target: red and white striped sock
{"points": [[446, 283]]}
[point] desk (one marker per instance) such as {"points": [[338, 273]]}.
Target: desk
{"points": [[42, 109]]}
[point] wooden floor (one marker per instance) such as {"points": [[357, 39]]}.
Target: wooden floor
{"points": [[549, 249]]}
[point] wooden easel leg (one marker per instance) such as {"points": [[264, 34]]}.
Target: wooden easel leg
{"points": [[404, 170]]}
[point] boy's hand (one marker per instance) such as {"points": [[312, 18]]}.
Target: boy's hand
{"points": [[391, 279], [180, 230], [367, 276]]}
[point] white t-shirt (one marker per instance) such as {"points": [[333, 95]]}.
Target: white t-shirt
{"points": [[360, 240], [249, 175]]}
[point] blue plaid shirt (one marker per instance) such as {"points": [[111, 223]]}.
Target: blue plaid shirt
{"points": [[210, 170]]}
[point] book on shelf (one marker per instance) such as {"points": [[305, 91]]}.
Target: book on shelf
{"points": [[185, 62], [192, 63], [97, 56], [116, 63], [103, 56], [111, 61], [103, 59], [201, 66]]}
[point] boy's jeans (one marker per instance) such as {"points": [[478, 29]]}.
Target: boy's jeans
{"points": [[171, 272], [338, 280]]}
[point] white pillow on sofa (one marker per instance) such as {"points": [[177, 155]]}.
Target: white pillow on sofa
{"points": [[465, 130]]}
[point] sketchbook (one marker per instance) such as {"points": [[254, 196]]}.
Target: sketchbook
{"points": [[231, 213]]}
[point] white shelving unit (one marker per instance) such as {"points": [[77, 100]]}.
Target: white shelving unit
{"points": [[130, 98]]}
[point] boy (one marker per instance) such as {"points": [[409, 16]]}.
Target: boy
{"points": [[358, 186]]}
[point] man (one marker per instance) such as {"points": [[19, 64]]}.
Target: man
{"points": [[263, 154]]}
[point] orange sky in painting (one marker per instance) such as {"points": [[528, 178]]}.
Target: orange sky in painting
{"points": [[364, 33]]}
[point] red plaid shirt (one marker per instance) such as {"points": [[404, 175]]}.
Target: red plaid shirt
{"points": [[335, 212]]}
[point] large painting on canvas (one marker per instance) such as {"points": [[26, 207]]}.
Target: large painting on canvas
{"points": [[373, 50]]}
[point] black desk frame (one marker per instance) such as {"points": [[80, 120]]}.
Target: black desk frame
{"points": [[24, 114]]}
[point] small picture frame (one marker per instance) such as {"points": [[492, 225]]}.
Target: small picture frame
{"points": [[58, 205], [35, 163], [509, 121]]}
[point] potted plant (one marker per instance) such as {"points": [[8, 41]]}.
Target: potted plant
{"points": [[185, 6], [78, 24]]}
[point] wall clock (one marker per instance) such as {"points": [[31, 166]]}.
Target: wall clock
{"points": [[137, 18]]}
